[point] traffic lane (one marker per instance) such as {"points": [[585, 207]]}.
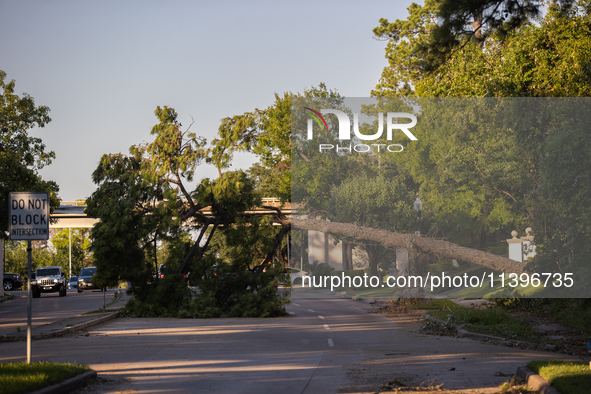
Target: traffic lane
{"points": [[220, 355], [49, 308], [353, 336], [293, 354], [233, 355], [402, 352]]}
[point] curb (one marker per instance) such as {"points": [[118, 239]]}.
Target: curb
{"points": [[363, 299], [481, 337], [369, 299], [67, 385], [64, 331], [535, 381], [6, 298]]}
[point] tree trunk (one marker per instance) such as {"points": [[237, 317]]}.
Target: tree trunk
{"points": [[374, 254], [409, 241]]}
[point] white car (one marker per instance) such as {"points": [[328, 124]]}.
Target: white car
{"points": [[295, 275]]}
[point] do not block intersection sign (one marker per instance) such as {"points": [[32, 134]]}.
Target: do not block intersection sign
{"points": [[29, 216], [28, 220]]}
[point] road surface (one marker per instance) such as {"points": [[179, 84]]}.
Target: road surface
{"points": [[324, 346], [50, 307]]}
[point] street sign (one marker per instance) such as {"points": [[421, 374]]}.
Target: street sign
{"points": [[28, 220], [28, 216]]}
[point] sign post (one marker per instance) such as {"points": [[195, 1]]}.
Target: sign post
{"points": [[28, 221]]}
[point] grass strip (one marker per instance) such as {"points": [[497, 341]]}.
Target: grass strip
{"points": [[491, 321], [432, 304], [20, 377], [569, 377]]}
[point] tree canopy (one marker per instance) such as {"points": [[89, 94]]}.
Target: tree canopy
{"points": [[145, 200], [436, 31], [21, 155], [498, 164], [475, 164]]}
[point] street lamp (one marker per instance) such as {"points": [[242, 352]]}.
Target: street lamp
{"points": [[418, 208]]}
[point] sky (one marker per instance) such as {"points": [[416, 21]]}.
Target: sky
{"points": [[102, 67]]}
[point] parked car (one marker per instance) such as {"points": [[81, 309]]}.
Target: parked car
{"points": [[220, 271], [161, 271], [295, 275], [85, 279], [223, 275], [12, 281], [73, 282]]}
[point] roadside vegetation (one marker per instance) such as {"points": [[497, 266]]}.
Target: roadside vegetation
{"points": [[491, 321], [574, 313], [569, 377], [20, 378], [510, 320]]}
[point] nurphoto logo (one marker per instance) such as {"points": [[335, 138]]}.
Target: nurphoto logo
{"points": [[345, 130]]}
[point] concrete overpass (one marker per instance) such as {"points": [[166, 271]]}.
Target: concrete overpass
{"points": [[70, 214]]}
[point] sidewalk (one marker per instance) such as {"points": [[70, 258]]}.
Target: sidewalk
{"points": [[68, 325], [62, 327]]}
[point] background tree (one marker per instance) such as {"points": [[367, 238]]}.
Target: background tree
{"points": [[482, 169], [406, 64], [315, 174], [268, 181], [21, 155], [510, 172], [546, 59], [81, 244], [446, 26], [377, 202], [132, 218], [563, 214], [17, 258], [463, 21]]}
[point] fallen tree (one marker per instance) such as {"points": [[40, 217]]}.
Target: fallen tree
{"points": [[410, 242]]}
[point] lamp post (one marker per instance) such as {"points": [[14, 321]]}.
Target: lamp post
{"points": [[418, 208]]}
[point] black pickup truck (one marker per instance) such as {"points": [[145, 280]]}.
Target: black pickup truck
{"points": [[12, 281]]}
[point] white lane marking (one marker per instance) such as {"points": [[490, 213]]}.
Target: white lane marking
{"points": [[327, 327], [320, 316], [310, 310], [296, 304], [330, 342]]}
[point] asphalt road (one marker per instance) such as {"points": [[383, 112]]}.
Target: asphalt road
{"points": [[48, 308], [324, 346]]}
